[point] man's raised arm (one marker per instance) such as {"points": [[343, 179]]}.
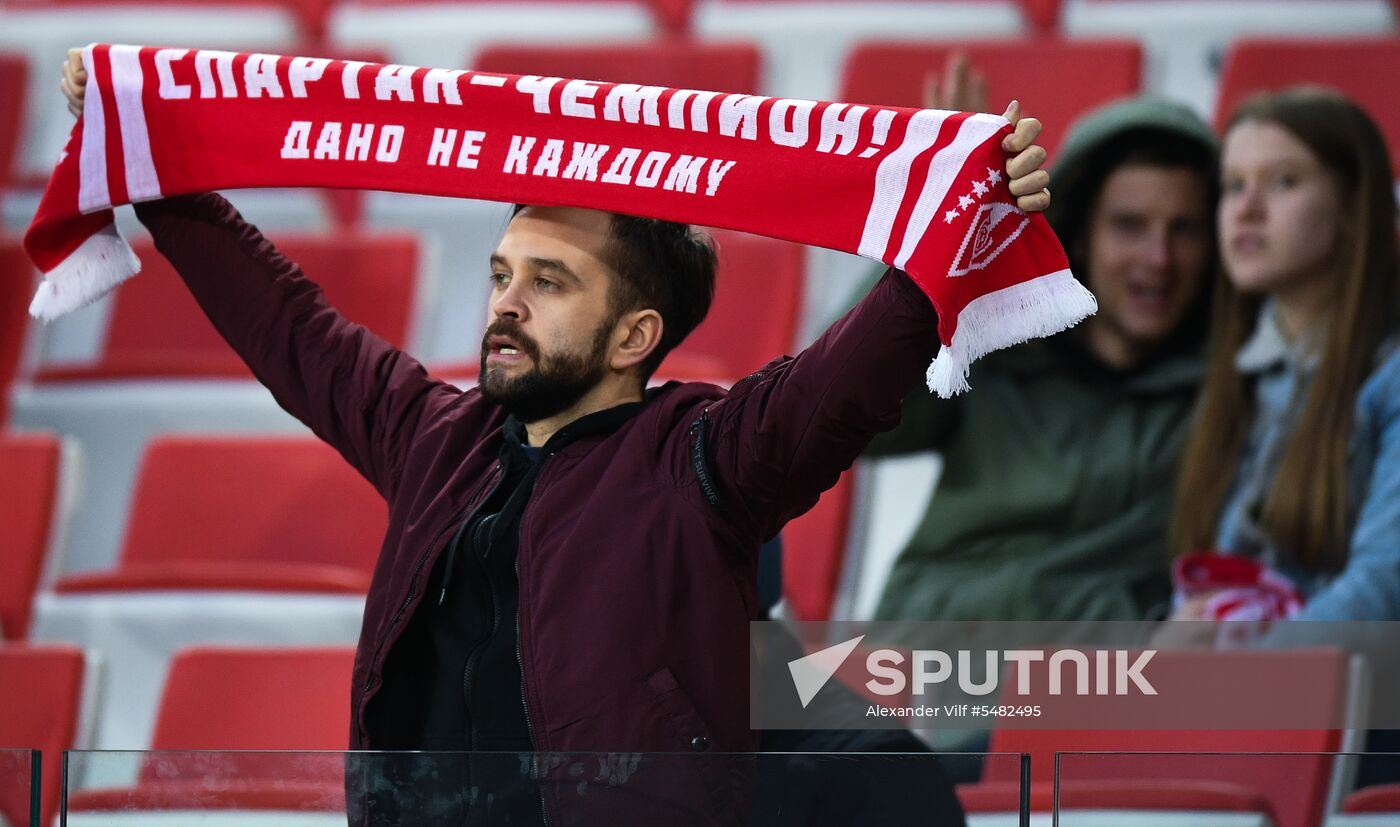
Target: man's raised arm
{"points": [[783, 436]]}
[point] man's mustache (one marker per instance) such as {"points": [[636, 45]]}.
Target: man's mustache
{"points": [[510, 330]]}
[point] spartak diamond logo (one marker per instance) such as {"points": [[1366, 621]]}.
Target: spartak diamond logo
{"points": [[995, 226]]}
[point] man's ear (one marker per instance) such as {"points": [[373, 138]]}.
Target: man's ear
{"points": [[636, 335]]}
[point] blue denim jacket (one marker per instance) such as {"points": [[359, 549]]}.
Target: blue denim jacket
{"points": [[1368, 588]]}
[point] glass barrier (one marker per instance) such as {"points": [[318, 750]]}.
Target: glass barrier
{"points": [[291, 789], [19, 787], [1269, 787]]}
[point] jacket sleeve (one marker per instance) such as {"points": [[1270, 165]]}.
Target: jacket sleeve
{"points": [[784, 435], [927, 420], [1368, 588], [351, 388]]}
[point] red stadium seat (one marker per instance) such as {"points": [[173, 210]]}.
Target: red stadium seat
{"points": [[1184, 41], [226, 698], [244, 698], [245, 514], [814, 549], [436, 33], [12, 80], [43, 690], [727, 67], [17, 280], [753, 320], [805, 42], [1071, 77], [1361, 68], [1384, 798], [30, 481], [673, 15], [1043, 14], [158, 331], [1290, 788]]}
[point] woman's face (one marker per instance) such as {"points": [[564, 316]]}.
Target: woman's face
{"points": [[1280, 212]]}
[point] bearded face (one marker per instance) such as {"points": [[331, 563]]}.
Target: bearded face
{"points": [[532, 383]]}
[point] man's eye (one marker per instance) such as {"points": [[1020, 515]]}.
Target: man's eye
{"points": [[1128, 224], [546, 284], [501, 279]]}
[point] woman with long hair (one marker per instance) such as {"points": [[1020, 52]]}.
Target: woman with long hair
{"points": [[1294, 457]]}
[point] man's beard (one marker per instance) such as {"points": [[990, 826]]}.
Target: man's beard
{"points": [[553, 384]]}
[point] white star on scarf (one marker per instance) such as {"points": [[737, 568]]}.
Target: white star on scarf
{"points": [[965, 201], [993, 176], [979, 188], [949, 216]]}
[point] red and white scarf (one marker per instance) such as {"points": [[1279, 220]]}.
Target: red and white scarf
{"points": [[923, 190]]}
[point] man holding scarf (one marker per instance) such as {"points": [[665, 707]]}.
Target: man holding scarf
{"points": [[570, 559]]}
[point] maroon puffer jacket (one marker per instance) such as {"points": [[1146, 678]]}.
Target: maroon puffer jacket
{"points": [[636, 575]]}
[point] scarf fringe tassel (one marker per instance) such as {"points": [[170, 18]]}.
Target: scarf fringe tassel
{"points": [[1040, 307], [100, 263]]}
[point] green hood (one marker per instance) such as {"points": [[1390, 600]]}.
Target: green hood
{"points": [[1081, 154]]}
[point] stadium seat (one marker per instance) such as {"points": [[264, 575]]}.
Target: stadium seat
{"points": [[1044, 15], [889, 502], [12, 80], [249, 698], [1361, 68], [814, 551], [725, 67], [805, 42], [243, 698], [157, 331], [1218, 770], [46, 694], [1384, 798], [35, 475], [17, 280], [262, 540], [175, 374], [753, 319], [1071, 77], [1185, 40], [673, 16], [153, 333], [437, 34], [245, 514]]}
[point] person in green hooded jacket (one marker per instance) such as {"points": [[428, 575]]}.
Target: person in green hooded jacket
{"points": [[1058, 466]]}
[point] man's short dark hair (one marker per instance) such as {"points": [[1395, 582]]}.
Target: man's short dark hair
{"points": [[665, 266]]}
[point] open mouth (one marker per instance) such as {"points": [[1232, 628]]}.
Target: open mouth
{"points": [[504, 348], [1148, 298]]}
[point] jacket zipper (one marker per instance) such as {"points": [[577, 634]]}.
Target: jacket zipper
{"points": [[520, 659], [474, 656], [413, 583], [699, 428], [524, 705]]}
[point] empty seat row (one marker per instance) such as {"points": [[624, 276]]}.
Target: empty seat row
{"points": [[213, 698], [239, 540]]}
